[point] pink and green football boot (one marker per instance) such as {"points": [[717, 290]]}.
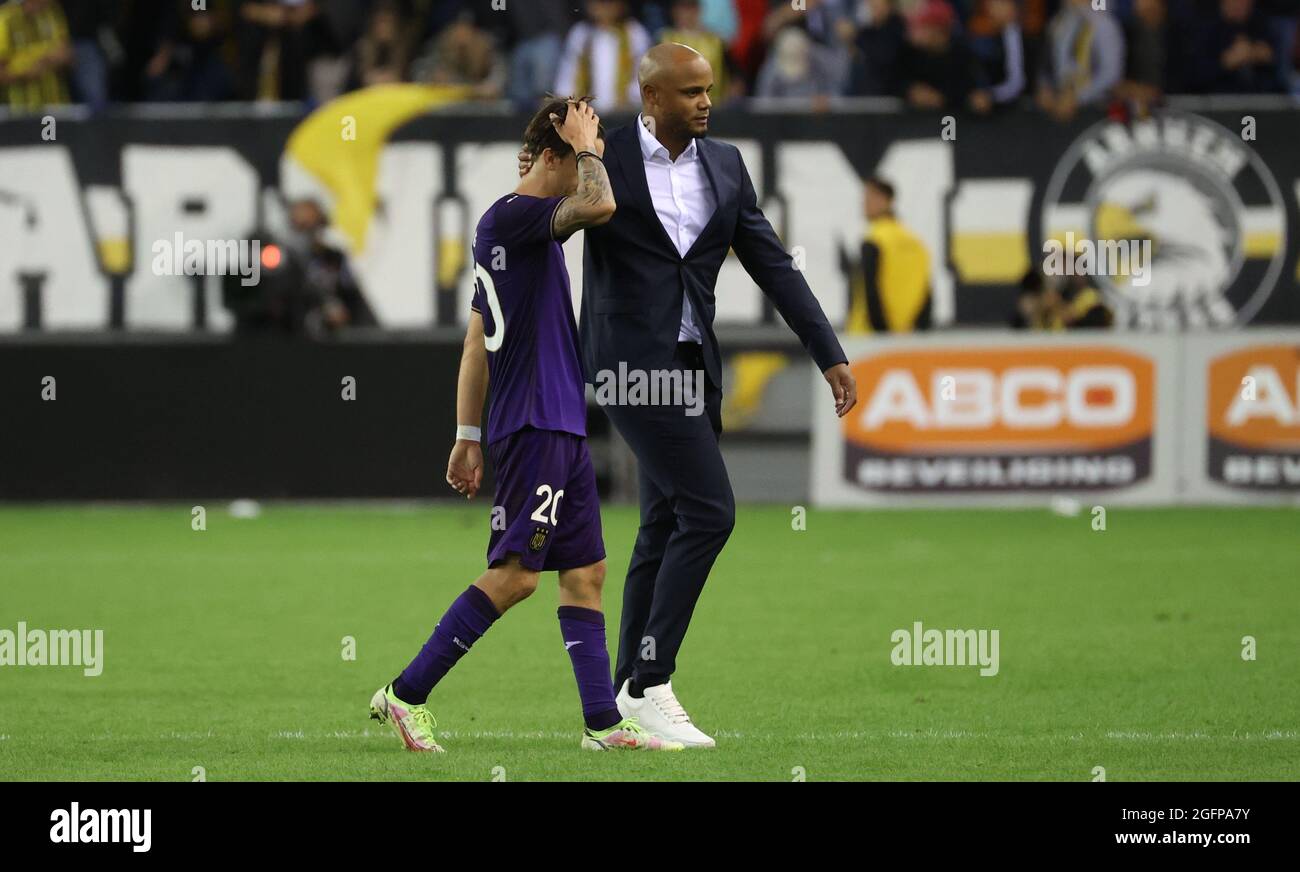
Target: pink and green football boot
{"points": [[626, 735], [412, 723]]}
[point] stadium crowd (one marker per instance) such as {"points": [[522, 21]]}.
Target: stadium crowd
{"points": [[956, 55]]}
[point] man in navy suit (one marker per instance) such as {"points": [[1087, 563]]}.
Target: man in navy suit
{"points": [[647, 307]]}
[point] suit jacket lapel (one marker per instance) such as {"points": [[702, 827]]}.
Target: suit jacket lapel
{"points": [[702, 149], [631, 164]]}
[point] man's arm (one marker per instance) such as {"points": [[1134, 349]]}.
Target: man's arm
{"points": [[871, 270], [465, 466], [592, 204], [1012, 86], [773, 270]]}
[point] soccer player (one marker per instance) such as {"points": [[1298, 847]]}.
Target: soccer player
{"points": [[522, 339]]}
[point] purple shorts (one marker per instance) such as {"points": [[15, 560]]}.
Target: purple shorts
{"points": [[545, 509]]}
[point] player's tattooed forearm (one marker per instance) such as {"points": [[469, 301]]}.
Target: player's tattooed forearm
{"points": [[593, 182], [589, 204]]}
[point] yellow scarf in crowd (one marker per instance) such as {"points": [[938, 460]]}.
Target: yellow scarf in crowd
{"points": [[586, 74]]}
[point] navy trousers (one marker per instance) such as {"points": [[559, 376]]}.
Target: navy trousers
{"points": [[687, 512]]}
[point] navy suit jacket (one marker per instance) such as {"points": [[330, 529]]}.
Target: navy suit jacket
{"points": [[633, 278]]}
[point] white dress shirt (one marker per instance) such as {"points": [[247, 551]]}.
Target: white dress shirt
{"points": [[684, 202]]}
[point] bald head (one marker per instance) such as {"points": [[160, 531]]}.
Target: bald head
{"points": [[675, 85], [662, 59]]}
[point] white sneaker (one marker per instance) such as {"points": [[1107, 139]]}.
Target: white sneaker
{"points": [[662, 715]]}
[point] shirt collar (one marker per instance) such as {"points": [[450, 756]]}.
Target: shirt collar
{"points": [[651, 147]]}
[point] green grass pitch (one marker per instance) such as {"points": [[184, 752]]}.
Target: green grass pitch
{"points": [[223, 648]]}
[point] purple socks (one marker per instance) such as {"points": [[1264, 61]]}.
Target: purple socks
{"points": [[584, 639], [470, 616], [466, 620]]}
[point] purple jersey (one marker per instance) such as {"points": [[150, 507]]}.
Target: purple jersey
{"points": [[521, 289]]}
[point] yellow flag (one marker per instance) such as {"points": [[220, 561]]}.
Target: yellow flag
{"points": [[339, 146]]}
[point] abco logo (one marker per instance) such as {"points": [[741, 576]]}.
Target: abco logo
{"points": [[1253, 405], [1001, 419]]}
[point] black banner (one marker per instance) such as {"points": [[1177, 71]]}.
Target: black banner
{"points": [[1214, 191], [224, 420]]}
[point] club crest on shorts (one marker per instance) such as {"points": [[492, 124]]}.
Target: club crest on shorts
{"points": [[538, 538]]}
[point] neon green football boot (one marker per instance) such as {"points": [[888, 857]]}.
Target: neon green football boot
{"points": [[412, 723], [626, 735]]}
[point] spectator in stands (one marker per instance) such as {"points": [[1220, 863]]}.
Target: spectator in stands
{"points": [[1234, 55], [139, 31], [1031, 21], [35, 53], [999, 45], [383, 53], [601, 54], [188, 65], [275, 42], [1156, 47], [537, 28], [720, 17], [748, 47], [330, 36], [892, 294], [877, 50], [334, 296], [1039, 305], [1083, 306], [829, 25], [1083, 59], [938, 70], [464, 54], [687, 28], [311, 290], [1283, 18], [88, 20], [797, 67]]}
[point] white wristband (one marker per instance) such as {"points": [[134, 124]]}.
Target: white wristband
{"points": [[473, 434]]}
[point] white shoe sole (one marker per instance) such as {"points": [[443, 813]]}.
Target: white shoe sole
{"points": [[590, 744], [626, 711]]}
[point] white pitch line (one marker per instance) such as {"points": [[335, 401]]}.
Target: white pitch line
{"points": [[852, 735]]}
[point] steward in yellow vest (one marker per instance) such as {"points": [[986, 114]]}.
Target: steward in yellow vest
{"points": [[892, 292]]}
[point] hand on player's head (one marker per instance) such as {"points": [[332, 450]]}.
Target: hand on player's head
{"points": [[579, 127]]}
